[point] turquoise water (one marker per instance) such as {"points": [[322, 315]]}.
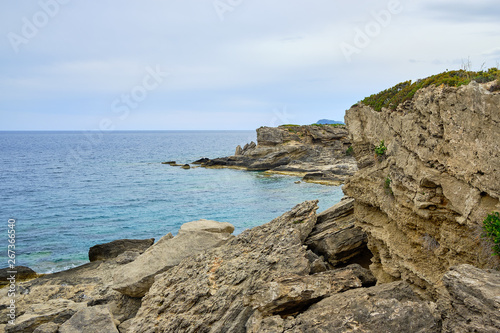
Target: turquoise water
{"points": [[69, 190]]}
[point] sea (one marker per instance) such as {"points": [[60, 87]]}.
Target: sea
{"points": [[68, 191]]}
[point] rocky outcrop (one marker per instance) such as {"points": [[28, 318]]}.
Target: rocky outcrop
{"points": [[423, 200], [316, 153], [135, 279], [336, 237], [262, 273], [115, 248]]}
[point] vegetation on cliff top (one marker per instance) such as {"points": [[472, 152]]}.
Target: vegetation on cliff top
{"points": [[404, 91]]}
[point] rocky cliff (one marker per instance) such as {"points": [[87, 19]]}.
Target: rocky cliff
{"points": [[422, 201], [315, 152]]}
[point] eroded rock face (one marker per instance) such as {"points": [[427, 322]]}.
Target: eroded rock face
{"points": [[134, 279], [316, 153], [423, 202]]}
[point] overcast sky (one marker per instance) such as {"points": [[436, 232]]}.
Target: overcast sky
{"points": [[223, 64]]}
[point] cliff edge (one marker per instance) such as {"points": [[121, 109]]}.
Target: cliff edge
{"points": [[422, 194]]}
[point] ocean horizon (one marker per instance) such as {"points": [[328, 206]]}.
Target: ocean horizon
{"points": [[70, 190]]}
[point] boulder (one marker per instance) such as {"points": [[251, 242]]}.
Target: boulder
{"points": [[391, 308], [117, 247], [336, 237], [56, 311], [22, 273], [238, 151], [96, 319], [474, 300], [208, 292], [292, 294], [186, 166], [135, 279]]}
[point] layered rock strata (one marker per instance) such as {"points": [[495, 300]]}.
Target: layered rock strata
{"points": [[316, 153], [423, 200]]}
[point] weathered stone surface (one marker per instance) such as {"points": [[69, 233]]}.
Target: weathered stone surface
{"points": [[126, 257], [117, 247], [316, 153], [474, 300], [47, 328], [423, 203], [56, 311], [96, 319], [23, 273], [336, 237], [56, 297], [290, 295], [135, 279], [389, 308], [208, 292], [238, 151]]}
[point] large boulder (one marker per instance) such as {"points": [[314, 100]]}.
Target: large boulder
{"points": [[134, 279], [96, 319], [56, 311], [115, 248], [388, 308], [336, 237], [209, 292], [474, 301]]}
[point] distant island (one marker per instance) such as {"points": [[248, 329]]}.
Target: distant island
{"points": [[328, 122]]}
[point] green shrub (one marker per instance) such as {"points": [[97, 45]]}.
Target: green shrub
{"points": [[349, 151], [387, 185], [402, 92], [380, 149], [491, 230]]}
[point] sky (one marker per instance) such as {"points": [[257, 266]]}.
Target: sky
{"points": [[224, 64]]}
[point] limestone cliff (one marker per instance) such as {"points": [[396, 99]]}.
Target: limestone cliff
{"points": [[422, 202], [315, 152]]}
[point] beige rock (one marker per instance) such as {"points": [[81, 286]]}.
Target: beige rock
{"points": [[422, 205], [96, 319], [135, 279], [207, 293], [47, 328]]}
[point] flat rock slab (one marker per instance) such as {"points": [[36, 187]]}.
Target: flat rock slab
{"points": [[134, 279]]}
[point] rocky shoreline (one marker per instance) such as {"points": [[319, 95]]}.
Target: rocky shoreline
{"points": [[317, 153], [402, 253]]}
